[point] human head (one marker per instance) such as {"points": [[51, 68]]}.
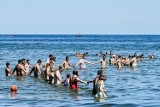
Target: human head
{"points": [[75, 72], [99, 72], [68, 75], [50, 55], [39, 61], [67, 58], [7, 63], [60, 68], [102, 77]]}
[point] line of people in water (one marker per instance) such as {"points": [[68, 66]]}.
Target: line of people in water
{"points": [[53, 75]]}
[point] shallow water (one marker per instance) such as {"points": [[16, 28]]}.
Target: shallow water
{"points": [[126, 87]]}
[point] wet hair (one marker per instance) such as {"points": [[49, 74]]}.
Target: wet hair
{"points": [[27, 60], [67, 57], [7, 63], [102, 77], [60, 67], [75, 72], [99, 72], [20, 61], [39, 61], [50, 55], [68, 75]]}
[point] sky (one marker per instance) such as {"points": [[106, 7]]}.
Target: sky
{"points": [[79, 16]]}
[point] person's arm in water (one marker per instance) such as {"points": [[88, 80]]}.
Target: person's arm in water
{"points": [[97, 62], [31, 71]]}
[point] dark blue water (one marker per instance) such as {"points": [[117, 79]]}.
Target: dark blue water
{"points": [[126, 87]]}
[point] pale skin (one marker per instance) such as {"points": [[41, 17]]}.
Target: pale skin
{"points": [[103, 62], [119, 63]]}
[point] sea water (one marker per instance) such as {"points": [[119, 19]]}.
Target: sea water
{"points": [[125, 87]]}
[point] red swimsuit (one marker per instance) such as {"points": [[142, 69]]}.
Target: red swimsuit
{"points": [[74, 84]]}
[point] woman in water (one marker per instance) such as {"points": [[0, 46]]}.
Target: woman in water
{"points": [[82, 63], [75, 79], [100, 86]]}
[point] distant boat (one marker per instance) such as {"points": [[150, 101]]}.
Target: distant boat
{"points": [[79, 35]]}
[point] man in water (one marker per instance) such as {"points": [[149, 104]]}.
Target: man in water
{"points": [[65, 64], [36, 69], [8, 69], [58, 76], [19, 68], [102, 61]]}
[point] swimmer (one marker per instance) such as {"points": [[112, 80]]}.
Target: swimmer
{"points": [[8, 69], [19, 68], [100, 87], [75, 79], [67, 81], [133, 61], [112, 60], [27, 66], [65, 64], [58, 76], [102, 61], [100, 53], [119, 62], [50, 56], [82, 63], [95, 80], [36, 69]]}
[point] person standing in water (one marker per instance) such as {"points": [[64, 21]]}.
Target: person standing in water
{"points": [[58, 76], [8, 69], [100, 86], [119, 62], [27, 66], [19, 68], [36, 69], [82, 63], [134, 61], [95, 80], [75, 79], [65, 64], [103, 62]]}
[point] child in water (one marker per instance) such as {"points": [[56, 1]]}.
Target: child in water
{"points": [[67, 81], [8, 69]]}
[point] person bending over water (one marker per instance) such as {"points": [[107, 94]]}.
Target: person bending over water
{"points": [[36, 69], [19, 68], [75, 79], [8, 69], [82, 63]]}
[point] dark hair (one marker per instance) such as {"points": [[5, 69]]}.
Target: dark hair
{"points": [[99, 72], [7, 63], [102, 77], [50, 55], [75, 72], [68, 75], [39, 61], [20, 61]]}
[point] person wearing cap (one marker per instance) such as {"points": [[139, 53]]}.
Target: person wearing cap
{"points": [[8, 69], [36, 69], [82, 63], [100, 86]]}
